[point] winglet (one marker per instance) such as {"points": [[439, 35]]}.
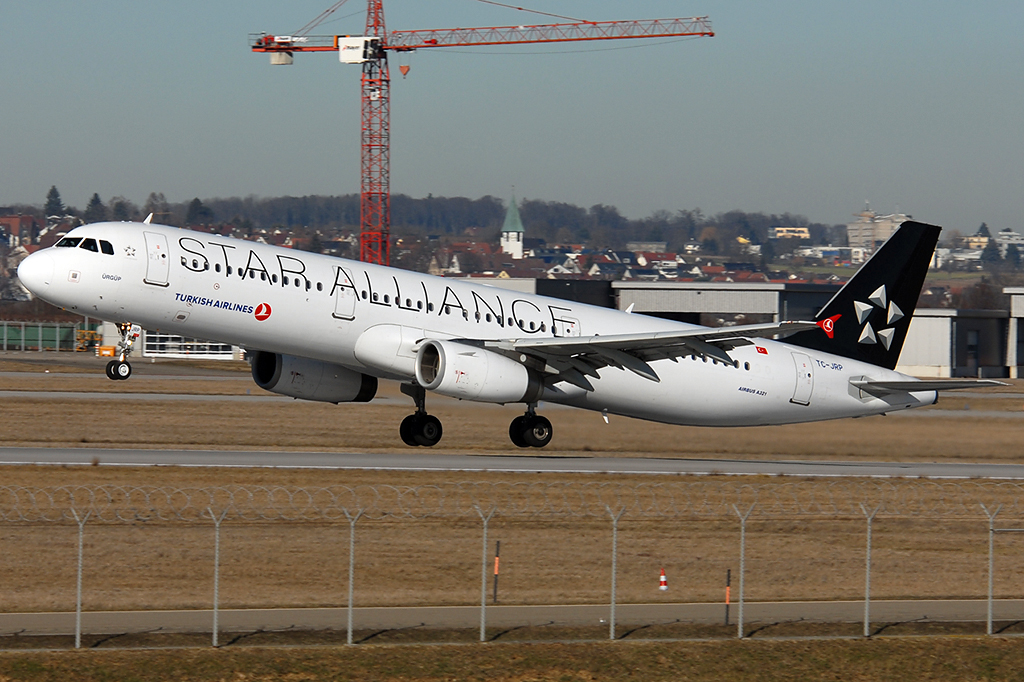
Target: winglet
{"points": [[148, 219]]}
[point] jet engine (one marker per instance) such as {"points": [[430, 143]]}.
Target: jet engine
{"points": [[467, 372], [311, 379]]}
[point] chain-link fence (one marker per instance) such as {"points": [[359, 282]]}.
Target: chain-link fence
{"points": [[710, 516]]}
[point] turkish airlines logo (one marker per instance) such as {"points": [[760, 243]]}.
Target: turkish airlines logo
{"points": [[828, 325], [262, 311], [762, 350]]}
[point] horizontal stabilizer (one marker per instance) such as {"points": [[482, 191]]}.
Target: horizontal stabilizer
{"points": [[880, 388]]}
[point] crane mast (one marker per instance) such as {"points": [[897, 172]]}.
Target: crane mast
{"points": [[375, 184], [370, 50]]}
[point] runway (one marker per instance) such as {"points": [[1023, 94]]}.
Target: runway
{"points": [[241, 620], [424, 460]]}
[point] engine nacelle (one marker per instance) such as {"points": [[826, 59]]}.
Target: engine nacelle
{"points": [[311, 379], [462, 371]]}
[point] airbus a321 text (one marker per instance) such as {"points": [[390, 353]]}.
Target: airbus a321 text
{"points": [[324, 328]]}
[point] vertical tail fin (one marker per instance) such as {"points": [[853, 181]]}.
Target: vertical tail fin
{"points": [[868, 318]]}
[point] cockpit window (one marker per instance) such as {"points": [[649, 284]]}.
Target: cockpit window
{"points": [[89, 244], [106, 247], [69, 242]]}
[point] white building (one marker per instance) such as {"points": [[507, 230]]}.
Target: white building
{"points": [[871, 229], [512, 232]]}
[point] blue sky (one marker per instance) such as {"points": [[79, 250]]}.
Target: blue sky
{"points": [[795, 105]]}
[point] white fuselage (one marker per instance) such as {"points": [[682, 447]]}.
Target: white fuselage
{"points": [[371, 319]]}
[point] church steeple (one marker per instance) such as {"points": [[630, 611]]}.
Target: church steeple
{"points": [[512, 231]]}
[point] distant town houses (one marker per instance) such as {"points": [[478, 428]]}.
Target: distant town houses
{"points": [[780, 253]]}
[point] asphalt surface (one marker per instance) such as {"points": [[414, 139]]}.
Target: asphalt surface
{"points": [[421, 460], [241, 620]]}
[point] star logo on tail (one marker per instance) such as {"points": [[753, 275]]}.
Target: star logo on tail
{"points": [[877, 300]]}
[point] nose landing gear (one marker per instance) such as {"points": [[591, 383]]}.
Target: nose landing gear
{"points": [[120, 369], [420, 428], [530, 430]]}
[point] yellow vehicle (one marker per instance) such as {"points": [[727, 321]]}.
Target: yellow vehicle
{"points": [[86, 339]]}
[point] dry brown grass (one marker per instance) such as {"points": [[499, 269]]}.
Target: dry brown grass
{"points": [[428, 562], [437, 562], [470, 428], [897, 659]]}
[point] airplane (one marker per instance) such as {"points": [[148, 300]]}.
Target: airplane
{"points": [[327, 329]]}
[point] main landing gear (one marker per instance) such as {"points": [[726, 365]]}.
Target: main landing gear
{"points": [[531, 430], [120, 369], [419, 428]]}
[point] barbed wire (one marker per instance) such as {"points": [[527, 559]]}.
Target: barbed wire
{"points": [[706, 499]]}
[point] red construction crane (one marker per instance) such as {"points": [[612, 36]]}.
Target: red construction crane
{"points": [[371, 50]]}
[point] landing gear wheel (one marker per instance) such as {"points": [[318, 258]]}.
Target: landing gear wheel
{"points": [[427, 431], [407, 429], [538, 431], [419, 428], [123, 370], [516, 430], [118, 370]]}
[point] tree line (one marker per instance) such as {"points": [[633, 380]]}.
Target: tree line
{"points": [[600, 226]]}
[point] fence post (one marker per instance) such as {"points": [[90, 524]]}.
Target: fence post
{"points": [[867, 570], [743, 563], [351, 566], [216, 568], [78, 588], [991, 562], [615, 565], [483, 575]]}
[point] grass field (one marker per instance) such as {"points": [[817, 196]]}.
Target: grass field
{"points": [[169, 565], [469, 428], [896, 660]]}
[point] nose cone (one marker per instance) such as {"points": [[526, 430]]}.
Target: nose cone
{"points": [[36, 272]]}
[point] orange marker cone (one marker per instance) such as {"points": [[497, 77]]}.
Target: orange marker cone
{"points": [[663, 583]]}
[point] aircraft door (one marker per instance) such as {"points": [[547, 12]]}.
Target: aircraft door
{"points": [[566, 326], [804, 379], [345, 296], [158, 261]]}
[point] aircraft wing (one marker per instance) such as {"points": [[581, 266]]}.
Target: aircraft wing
{"points": [[881, 388], [574, 358]]}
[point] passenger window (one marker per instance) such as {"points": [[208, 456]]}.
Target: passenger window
{"points": [[68, 242], [216, 267], [284, 280], [89, 244], [106, 247], [273, 278]]}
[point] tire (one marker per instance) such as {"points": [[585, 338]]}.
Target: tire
{"points": [[538, 431], [122, 370], [110, 370], [428, 431], [407, 429], [516, 430]]}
